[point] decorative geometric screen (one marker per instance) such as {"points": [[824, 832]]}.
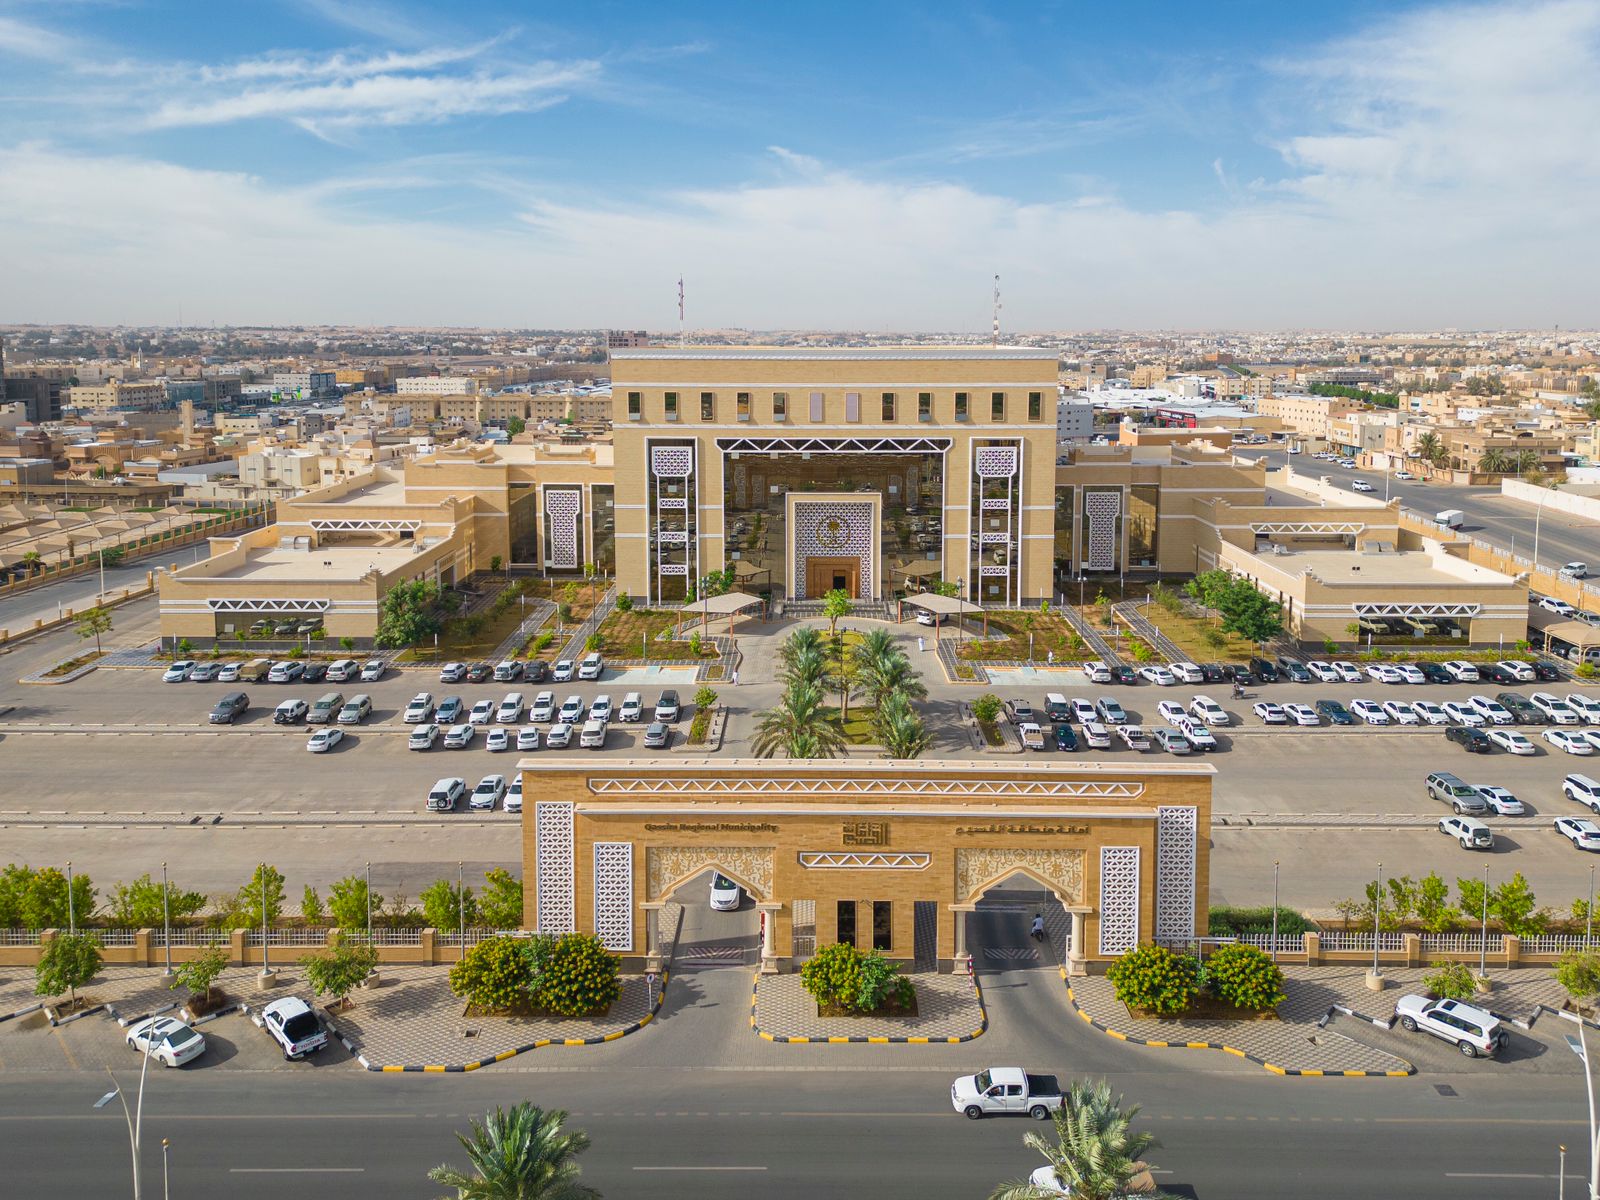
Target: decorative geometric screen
{"points": [[1119, 899], [561, 509], [996, 462], [613, 894], [1176, 831], [553, 866], [1101, 510], [833, 529], [671, 462]]}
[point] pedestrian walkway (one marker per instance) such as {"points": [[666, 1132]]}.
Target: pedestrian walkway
{"points": [[1135, 620]]}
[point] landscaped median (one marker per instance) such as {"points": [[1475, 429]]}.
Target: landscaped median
{"points": [[845, 996]]}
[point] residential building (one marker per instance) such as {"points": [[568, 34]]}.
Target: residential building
{"points": [[437, 385], [118, 396]]}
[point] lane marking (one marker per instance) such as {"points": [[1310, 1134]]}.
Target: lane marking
{"points": [[700, 1168], [295, 1170]]}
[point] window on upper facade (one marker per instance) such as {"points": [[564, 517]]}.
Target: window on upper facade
{"points": [[961, 406], [1035, 406], [888, 406], [742, 405], [670, 401], [708, 406], [780, 406], [852, 406], [816, 408], [635, 405], [997, 406], [924, 406]]}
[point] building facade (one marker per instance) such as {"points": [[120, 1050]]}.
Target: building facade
{"points": [[885, 855]]}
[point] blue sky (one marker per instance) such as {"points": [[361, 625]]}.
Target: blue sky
{"points": [[1240, 165]]}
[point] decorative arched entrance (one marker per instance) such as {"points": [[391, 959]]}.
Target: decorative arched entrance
{"points": [[1059, 871], [667, 868]]}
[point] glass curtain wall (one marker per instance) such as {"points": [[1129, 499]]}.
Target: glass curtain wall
{"points": [[604, 510], [1143, 545]]}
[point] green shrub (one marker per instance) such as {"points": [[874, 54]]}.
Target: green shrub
{"points": [[592, 643], [542, 642], [1451, 981], [700, 725], [66, 963], [844, 977], [1245, 977], [495, 974], [1155, 979], [1230, 921], [580, 977], [340, 969], [624, 602], [199, 975], [986, 708], [311, 910], [1578, 971], [705, 698]]}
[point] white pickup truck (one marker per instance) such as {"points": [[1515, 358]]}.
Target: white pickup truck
{"points": [[1006, 1090]]}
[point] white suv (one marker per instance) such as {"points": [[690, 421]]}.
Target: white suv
{"points": [[1582, 789], [420, 708], [1475, 1031]]}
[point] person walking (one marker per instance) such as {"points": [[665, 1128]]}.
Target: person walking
{"points": [[1037, 932]]}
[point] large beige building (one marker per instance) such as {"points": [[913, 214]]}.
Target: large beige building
{"points": [[105, 397]]}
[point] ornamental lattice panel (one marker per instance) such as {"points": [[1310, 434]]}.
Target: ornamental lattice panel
{"points": [[671, 462], [1119, 899], [1176, 833], [553, 866], [833, 529], [1101, 510], [561, 509], [996, 462], [613, 894]]}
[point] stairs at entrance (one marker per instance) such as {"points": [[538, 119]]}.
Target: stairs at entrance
{"points": [[878, 610]]}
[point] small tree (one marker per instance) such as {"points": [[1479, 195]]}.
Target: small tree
{"points": [[1245, 977], [311, 911], [1513, 904], [340, 969], [1450, 981], [1155, 979], [261, 900], [444, 905], [1433, 907], [836, 604], [92, 623], [68, 962], [705, 699], [347, 902], [347, 644], [1578, 971], [592, 643], [624, 602], [199, 975], [500, 903], [986, 708], [138, 904], [494, 563]]}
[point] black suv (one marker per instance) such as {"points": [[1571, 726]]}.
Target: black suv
{"points": [[1474, 740], [1433, 672], [1263, 670], [1294, 669], [1545, 671], [1524, 712], [314, 673], [1336, 713], [537, 671]]}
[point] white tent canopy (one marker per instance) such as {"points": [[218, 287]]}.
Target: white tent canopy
{"points": [[942, 605]]}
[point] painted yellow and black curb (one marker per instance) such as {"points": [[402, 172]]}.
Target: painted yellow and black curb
{"points": [[907, 1040], [453, 1068], [1233, 1050]]}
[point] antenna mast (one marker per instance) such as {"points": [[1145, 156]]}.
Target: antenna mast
{"points": [[680, 310], [994, 337]]}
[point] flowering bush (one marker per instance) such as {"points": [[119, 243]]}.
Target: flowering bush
{"points": [[578, 977], [1155, 979], [1245, 977]]}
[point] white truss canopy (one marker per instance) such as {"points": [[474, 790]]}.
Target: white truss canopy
{"points": [[881, 861], [622, 785], [265, 605], [1306, 528], [1417, 610], [344, 525], [826, 445]]}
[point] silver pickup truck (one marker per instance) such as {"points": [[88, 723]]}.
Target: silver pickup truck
{"points": [[1006, 1090]]}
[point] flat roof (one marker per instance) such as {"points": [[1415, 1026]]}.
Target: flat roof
{"points": [[319, 564], [839, 353], [1394, 567], [892, 767], [378, 492]]}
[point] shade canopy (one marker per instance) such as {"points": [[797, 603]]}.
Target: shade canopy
{"points": [[724, 605], [920, 568], [943, 605]]}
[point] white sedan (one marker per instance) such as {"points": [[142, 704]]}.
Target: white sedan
{"points": [[178, 671], [1270, 713], [1172, 711], [1501, 800], [1580, 831], [1496, 712], [1360, 485], [725, 893], [1464, 714], [1430, 712], [1301, 714], [1384, 673], [497, 739], [1323, 672], [324, 740], [1348, 671], [481, 712], [1569, 740], [1592, 736], [1208, 710], [1401, 713], [1158, 675], [528, 737], [488, 793], [1410, 674], [1369, 711], [167, 1040], [1511, 741]]}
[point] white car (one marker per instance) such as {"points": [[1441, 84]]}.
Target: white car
{"points": [[1493, 710], [1569, 740], [1270, 713], [1501, 800], [1323, 672], [1410, 674], [593, 735], [229, 672], [1134, 737], [600, 710], [559, 737], [1464, 714], [632, 708], [591, 667], [1360, 485], [1474, 1031], [294, 1026], [1188, 672], [1460, 671], [1096, 736], [1554, 709], [1580, 831], [1587, 707], [1404, 475], [1083, 711], [1348, 671], [543, 708], [725, 893], [571, 710], [167, 1040], [460, 737], [1511, 741], [497, 739], [1472, 833], [1520, 671], [1592, 736], [1204, 708], [1401, 713], [513, 802], [1575, 570], [1369, 711], [510, 710], [325, 739], [1430, 712], [372, 670], [1199, 736], [419, 709], [1384, 673], [488, 792], [1097, 672], [481, 713], [451, 672], [1559, 607], [1158, 675], [1172, 711], [563, 671], [423, 737], [1301, 714], [924, 617], [528, 737], [178, 672]]}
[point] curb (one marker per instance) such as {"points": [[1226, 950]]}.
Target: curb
{"points": [[124, 1022], [21, 1012], [453, 1068], [221, 1012], [1237, 1053], [77, 1016], [781, 1039]]}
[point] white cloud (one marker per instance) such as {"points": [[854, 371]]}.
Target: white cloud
{"points": [[32, 41]]}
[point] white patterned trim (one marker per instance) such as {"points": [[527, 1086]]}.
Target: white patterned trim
{"points": [[1417, 610], [333, 525], [562, 507], [996, 462], [245, 604], [826, 445], [625, 785], [1177, 830], [553, 867], [834, 529], [613, 894], [671, 462], [821, 859], [1101, 510], [1119, 899]]}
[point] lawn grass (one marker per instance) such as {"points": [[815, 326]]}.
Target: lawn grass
{"points": [[1188, 634], [456, 643], [1007, 638], [624, 635], [857, 730]]}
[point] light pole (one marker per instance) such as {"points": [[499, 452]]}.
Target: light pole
{"points": [[166, 923], [135, 1119], [1580, 1047], [369, 904], [72, 914], [1483, 931], [1274, 912], [461, 907], [166, 1192], [261, 893], [1377, 911], [1588, 922]]}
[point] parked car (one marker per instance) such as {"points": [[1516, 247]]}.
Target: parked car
{"points": [[285, 672], [1587, 707], [1433, 672], [1348, 671], [1473, 740], [1110, 712], [1369, 711], [1293, 669], [1096, 736], [479, 672], [325, 708], [528, 737], [1204, 708], [481, 713], [1575, 570], [1264, 670], [167, 1040], [1188, 672], [419, 709], [1554, 709], [1472, 833], [571, 710], [290, 712], [1401, 713], [459, 737], [1463, 713], [657, 735], [325, 739], [1520, 671], [1568, 740], [1522, 712], [1123, 673], [356, 709], [564, 670], [1461, 671], [1336, 712], [667, 706], [1560, 607], [497, 739], [1270, 713], [513, 801], [543, 708], [1171, 711], [1031, 736], [1133, 737], [508, 672], [446, 794], [452, 672], [314, 672], [451, 710], [600, 710], [1157, 674], [1500, 800], [1171, 740], [179, 671], [1431, 713], [591, 667], [593, 735], [423, 737], [488, 792], [1545, 671], [204, 672], [632, 708], [1580, 831], [1323, 672], [1384, 673], [343, 670], [294, 1026], [559, 737], [229, 708], [1020, 712], [1065, 739], [1000, 1091], [1474, 1031], [373, 670], [510, 710], [1301, 714], [536, 671], [1096, 672], [1511, 742]]}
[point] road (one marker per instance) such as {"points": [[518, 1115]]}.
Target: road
{"points": [[47, 601]]}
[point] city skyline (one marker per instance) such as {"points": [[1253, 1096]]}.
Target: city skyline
{"points": [[356, 164]]}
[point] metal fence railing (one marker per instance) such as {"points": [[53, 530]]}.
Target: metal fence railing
{"points": [[19, 937], [1288, 943], [1462, 943], [1343, 939], [1555, 943]]}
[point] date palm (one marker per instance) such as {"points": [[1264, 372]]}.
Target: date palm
{"points": [[1095, 1156], [889, 674], [1431, 448], [1494, 461], [900, 730], [1526, 461], [795, 645], [520, 1154], [799, 726]]}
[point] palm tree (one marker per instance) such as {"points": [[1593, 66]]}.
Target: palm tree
{"points": [[900, 730], [1096, 1155], [1431, 448], [796, 644], [1527, 461], [32, 560], [519, 1155], [890, 674], [799, 726], [1494, 461], [809, 665]]}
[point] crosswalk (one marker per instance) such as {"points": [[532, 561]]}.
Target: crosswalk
{"points": [[711, 955], [1011, 953]]}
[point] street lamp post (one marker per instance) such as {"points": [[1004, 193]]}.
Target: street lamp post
{"points": [[1274, 912], [261, 892], [461, 907], [1580, 1047], [1588, 922], [134, 1119], [166, 1191], [1377, 911], [369, 903], [1483, 931], [166, 923], [72, 914]]}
